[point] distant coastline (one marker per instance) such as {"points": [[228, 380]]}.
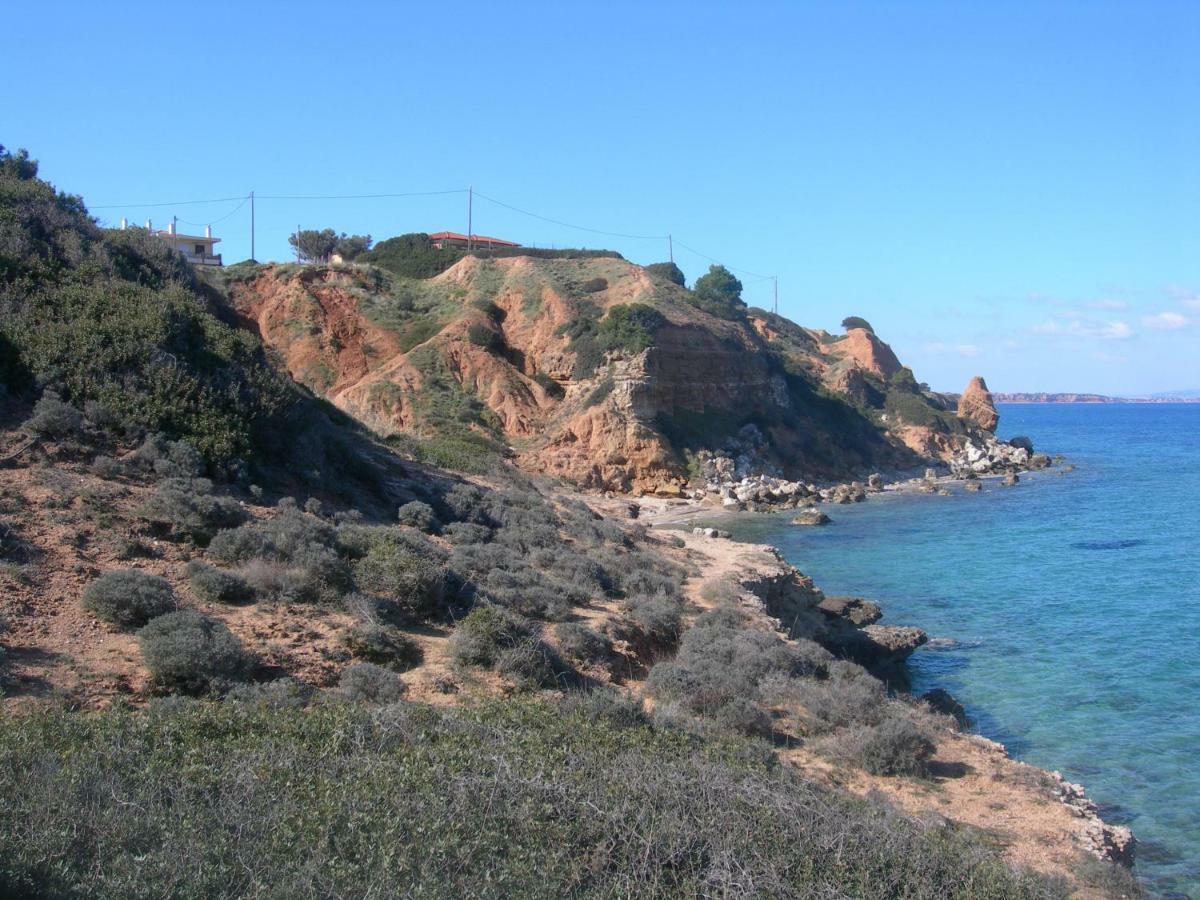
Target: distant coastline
{"points": [[1181, 397]]}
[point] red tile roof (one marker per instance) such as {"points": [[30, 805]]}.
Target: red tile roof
{"points": [[475, 238]]}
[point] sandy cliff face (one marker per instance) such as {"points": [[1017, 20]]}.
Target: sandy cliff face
{"points": [[501, 333]]}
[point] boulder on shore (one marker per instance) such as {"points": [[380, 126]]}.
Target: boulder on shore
{"points": [[810, 516], [942, 701], [976, 404], [855, 610]]}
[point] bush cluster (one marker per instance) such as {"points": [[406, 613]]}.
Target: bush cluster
{"points": [[190, 653], [189, 508], [895, 746], [289, 557], [128, 598], [216, 585], [54, 419], [579, 642], [723, 666], [369, 683]]}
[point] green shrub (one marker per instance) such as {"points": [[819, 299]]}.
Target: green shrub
{"points": [[216, 585], [530, 664], [582, 643], [486, 632], [630, 327], [594, 285], [189, 653], [650, 623], [483, 336], [849, 697], [856, 322], [420, 516], [289, 557], [668, 271], [392, 570], [128, 598], [368, 683], [895, 746], [283, 693], [188, 507], [54, 419], [383, 645]]}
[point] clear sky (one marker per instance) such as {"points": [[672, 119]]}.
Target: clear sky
{"points": [[1008, 189]]}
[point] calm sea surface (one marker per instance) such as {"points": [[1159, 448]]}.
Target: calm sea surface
{"points": [[1067, 609]]}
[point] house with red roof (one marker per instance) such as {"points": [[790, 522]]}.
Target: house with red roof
{"points": [[465, 242]]}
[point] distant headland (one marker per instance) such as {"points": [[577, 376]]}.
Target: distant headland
{"points": [[1175, 397]]}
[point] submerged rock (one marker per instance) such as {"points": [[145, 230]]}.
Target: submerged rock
{"points": [[1011, 479], [973, 486]]}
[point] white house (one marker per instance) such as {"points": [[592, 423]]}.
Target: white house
{"points": [[195, 249]]}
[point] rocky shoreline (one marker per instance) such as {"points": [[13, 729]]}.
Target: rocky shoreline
{"points": [[731, 483], [851, 624]]}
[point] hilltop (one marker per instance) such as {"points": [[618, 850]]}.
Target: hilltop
{"points": [[593, 369]]}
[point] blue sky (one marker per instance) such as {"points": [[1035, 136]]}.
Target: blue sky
{"points": [[1008, 189]]}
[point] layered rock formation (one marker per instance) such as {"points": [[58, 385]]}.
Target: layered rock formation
{"points": [[509, 348]]}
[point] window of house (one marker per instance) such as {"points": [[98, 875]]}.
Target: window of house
{"points": [[199, 249]]}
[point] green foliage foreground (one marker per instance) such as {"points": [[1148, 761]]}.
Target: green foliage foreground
{"points": [[193, 798]]}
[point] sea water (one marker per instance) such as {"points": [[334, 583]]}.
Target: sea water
{"points": [[1064, 612]]}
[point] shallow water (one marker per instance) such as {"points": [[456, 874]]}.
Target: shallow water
{"points": [[1065, 611]]}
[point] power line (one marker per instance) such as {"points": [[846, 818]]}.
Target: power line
{"points": [[713, 259], [245, 200], [525, 212], [357, 196], [171, 203]]}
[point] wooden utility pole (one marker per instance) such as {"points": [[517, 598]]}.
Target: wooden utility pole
{"points": [[252, 256], [297, 243], [671, 248], [775, 278], [470, 211]]}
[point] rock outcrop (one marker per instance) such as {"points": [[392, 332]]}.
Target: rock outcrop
{"points": [[976, 405], [514, 349]]}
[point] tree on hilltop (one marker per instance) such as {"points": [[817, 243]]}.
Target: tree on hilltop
{"points": [[314, 246], [719, 293], [350, 247]]}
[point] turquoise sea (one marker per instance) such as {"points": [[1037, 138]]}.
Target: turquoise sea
{"points": [[1066, 610]]}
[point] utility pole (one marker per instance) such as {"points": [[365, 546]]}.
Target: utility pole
{"points": [[671, 247], [297, 243], [174, 224], [470, 211], [252, 256], [775, 278]]}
